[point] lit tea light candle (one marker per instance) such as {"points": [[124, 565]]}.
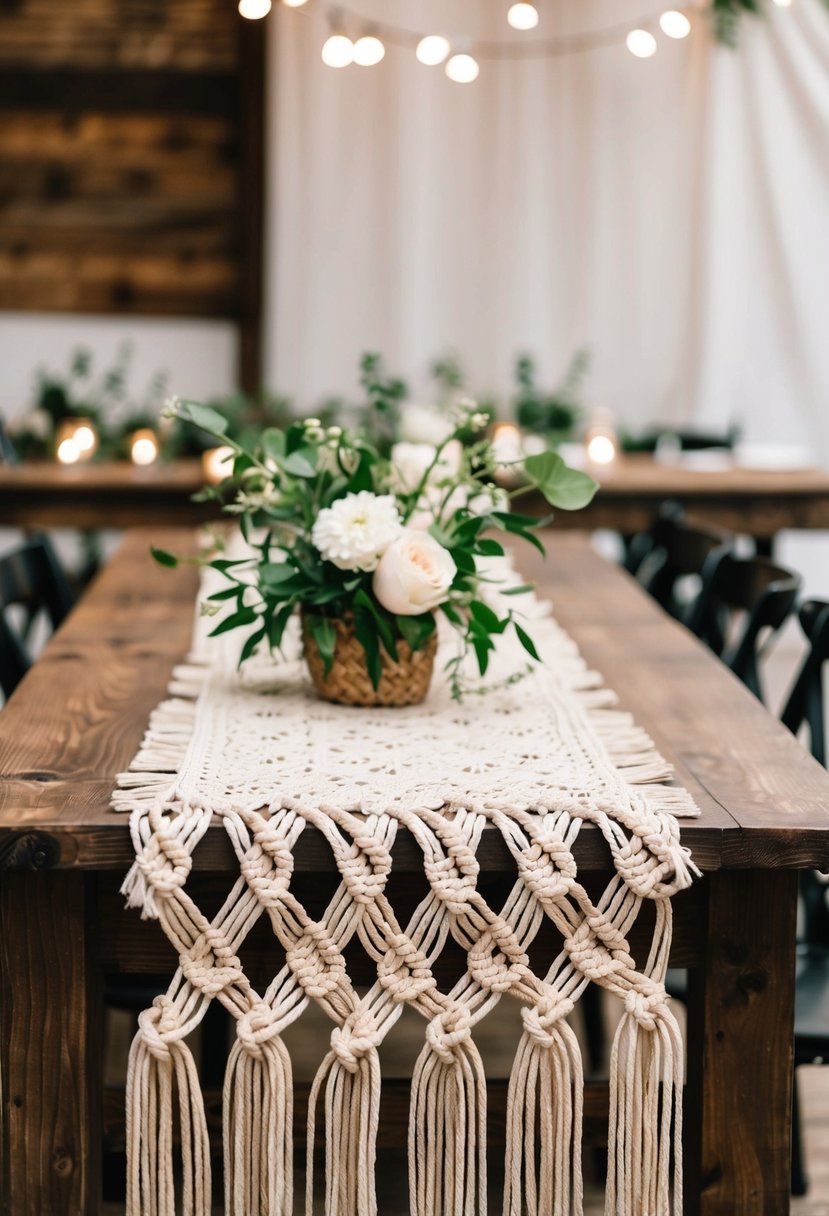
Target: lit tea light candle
{"points": [[600, 442], [217, 464], [68, 451], [76, 440], [143, 446]]}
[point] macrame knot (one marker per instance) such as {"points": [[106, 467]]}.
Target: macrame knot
{"points": [[364, 884], [155, 1025], [540, 870], [164, 863], [447, 1032], [316, 962], [255, 1028], [496, 960], [403, 970], [357, 1036], [540, 1020], [646, 1005], [454, 887], [210, 964]]}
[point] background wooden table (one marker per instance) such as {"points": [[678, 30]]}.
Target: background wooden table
{"points": [[78, 718], [758, 502]]}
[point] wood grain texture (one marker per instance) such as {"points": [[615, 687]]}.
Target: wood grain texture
{"points": [[78, 717], [50, 1061], [32, 495], [740, 1018], [131, 160]]}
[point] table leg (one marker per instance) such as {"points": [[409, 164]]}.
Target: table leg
{"points": [[740, 1048], [50, 1045]]}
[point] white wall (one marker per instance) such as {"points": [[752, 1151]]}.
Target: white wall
{"points": [[669, 213], [199, 355]]}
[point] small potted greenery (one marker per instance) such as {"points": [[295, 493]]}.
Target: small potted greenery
{"points": [[370, 548]]}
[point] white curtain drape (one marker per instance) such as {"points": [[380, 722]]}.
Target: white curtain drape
{"points": [[670, 214]]}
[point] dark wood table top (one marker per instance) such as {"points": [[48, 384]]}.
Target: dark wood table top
{"points": [[78, 718], [760, 502]]}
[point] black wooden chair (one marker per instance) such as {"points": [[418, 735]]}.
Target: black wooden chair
{"points": [[31, 579], [761, 593], [681, 549], [811, 1024]]}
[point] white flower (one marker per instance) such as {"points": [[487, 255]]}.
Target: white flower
{"points": [[355, 531], [414, 574], [255, 500], [489, 498], [411, 460], [424, 424]]}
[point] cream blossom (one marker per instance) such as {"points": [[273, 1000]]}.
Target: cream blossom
{"points": [[355, 531], [424, 424], [410, 462], [414, 574]]}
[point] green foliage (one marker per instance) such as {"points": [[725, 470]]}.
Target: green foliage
{"points": [[285, 480], [554, 414]]}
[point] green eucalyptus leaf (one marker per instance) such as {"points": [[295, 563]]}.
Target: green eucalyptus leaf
{"points": [[483, 614], [301, 463], [416, 630], [164, 558], [251, 644], [325, 637], [202, 416], [236, 620], [526, 641]]}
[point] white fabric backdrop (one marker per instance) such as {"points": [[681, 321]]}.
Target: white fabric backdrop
{"points": [[671, 214]]}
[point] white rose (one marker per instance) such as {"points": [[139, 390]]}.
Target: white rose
{"points": [[414, 574], [355, 531], [411, 460], [424, 424]]}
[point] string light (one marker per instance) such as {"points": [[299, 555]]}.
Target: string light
{"points": [[255, 10], [368, 50], [294, 3], [463, 69], [432, 49], [641, 43], [338, 51], [523, 16], [675, 24]]}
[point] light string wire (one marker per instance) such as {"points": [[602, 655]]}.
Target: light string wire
{"points": [[341, 18]]}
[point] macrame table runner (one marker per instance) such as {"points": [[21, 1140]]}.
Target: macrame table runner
{"points": [[533, 761]]}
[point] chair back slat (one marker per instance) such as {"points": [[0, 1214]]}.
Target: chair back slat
{"points": [[30, 578]]}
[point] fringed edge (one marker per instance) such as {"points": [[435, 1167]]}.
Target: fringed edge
{"points": [[546, 1091], [257, 1129], [163, 749], [447, 1133], [352, 1117], [646, 1078], [153, 1082]]}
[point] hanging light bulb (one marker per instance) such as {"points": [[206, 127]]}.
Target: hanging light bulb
{"points": [[523, 16], [254, 10], [432, 49], [675, 24], [338, 51], [368, 50], [294, 3], [641, 44], [463, 69]]}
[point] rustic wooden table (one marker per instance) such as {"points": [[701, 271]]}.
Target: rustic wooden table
{"points": [[758, 502], [77, 720]]}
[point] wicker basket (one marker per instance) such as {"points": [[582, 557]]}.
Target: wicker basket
{"points": [[403, 683]]}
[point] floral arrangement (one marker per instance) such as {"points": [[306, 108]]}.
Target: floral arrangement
{"points": [[369, 545]]}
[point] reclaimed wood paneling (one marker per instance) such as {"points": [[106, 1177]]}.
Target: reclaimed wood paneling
{"points": [[130, 160]]}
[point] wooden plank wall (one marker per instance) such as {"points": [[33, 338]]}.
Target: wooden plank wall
{"points": [[131, 160]]}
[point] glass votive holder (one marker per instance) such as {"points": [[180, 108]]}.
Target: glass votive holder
{"points": [[144, 447], [217, 464], [76, 441]]}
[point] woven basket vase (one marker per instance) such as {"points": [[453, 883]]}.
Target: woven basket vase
{"points": [[403, 683]]}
